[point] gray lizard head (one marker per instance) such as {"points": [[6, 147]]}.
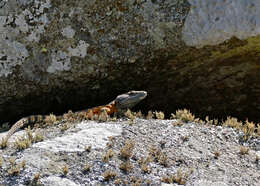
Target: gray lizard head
{"points": [[129, 99]]}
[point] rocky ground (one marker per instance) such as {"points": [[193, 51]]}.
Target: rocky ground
{"points": [[132, 152]]}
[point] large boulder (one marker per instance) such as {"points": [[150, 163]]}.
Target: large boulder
{"points": [[62, 54]]}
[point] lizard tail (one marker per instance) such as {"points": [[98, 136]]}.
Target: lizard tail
{"points": [[24, 122]]}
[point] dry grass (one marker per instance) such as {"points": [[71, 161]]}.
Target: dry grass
{"points": [[88, 148], [117, 182], [216, 154], [178, 123], [159, 115], [37, 137], [26, 141], [139, 114], [12, 161], [232, 122], [36, 180], [51, 119], [86, 168], [149, 115], [131, 115], [65, 170], [14, 168], [1, 161], [179, 178], [248, 129], [109, 154], [23, 163], [184, 115], [126, 151], [22, 143], [126, 166], [3, 143], [109, 174], [145, 168], [65, 127], [243, 150], [158, 156]]}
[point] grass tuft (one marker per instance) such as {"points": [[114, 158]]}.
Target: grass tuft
{"points": [[126, 151], [3, 143], [184, 115], [243, 150], [159, 115], [149, 115], [65, 170], [109, 174], [126, 166]]}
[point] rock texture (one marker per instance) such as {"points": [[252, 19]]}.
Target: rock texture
{"points": [[201, 155], [198, 54]]}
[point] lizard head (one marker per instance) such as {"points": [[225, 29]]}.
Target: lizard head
{"points": [[129, 99]]}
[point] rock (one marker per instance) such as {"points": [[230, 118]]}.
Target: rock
{"points": [[199, 54], [156, 151]]}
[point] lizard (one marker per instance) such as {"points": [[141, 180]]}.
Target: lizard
{"points": [[119, 105]]}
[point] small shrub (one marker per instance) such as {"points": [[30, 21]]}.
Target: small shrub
{"points": [[126, 166], [149, 115], [148, 182], [65, 127], [14, 170], [65, 170], [36, 180], [126, 151], [23, 163], [249, 128], [109, 175], [216, 154], [163, 159], [86, 168], [129, 114], [139, 114], [12, 161], [51, 119], [184, 115], [179, 178], [109, 154], [1, 161], [22, 143], [166, 179], [88, 148], [178, 123], [258, 129], [257, 158], [243, 150], [145, 168], [37, 137], [117, 182], [233, 122], [3, 143], [159, 115]]}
